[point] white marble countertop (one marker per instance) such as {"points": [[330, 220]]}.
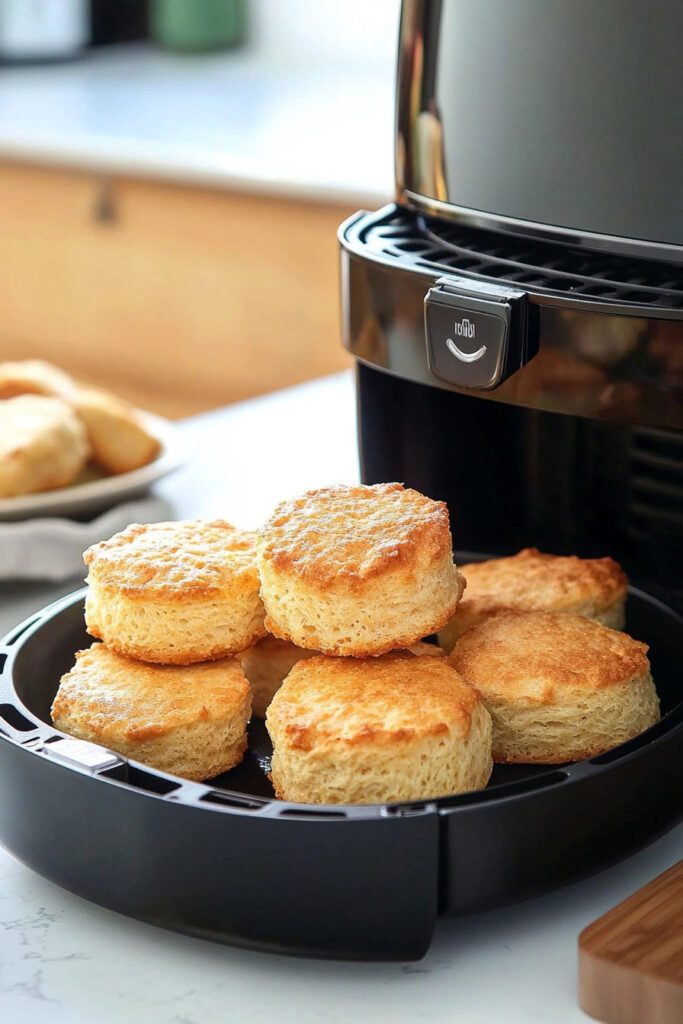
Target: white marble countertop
{"points": [[234, 121], [66, 961]]}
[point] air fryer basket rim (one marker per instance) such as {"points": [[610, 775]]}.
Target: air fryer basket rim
{"points": [[34, 740], [277, 877]]}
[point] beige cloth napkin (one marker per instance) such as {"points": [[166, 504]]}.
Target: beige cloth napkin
{"points": [[52, 549]]}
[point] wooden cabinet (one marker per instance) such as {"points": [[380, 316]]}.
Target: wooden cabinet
{"points": [[180, 298]]}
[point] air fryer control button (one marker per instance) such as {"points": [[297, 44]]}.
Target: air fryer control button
{"points": [[466, 347], [477, 334]]}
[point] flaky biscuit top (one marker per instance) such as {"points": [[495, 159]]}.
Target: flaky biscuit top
{"points": [[531, 579], [117, 699], [354, 533], [326, 702], [538, 656], [191, 558]]}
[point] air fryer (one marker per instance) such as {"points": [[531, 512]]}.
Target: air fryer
{"points": [[517, 314]]}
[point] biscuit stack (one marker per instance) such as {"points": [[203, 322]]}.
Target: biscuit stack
{"points": [[319, 618], [172, 602], [347, 581], [532, 636], [361, 574]]}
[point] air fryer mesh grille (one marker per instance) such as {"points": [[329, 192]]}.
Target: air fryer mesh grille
{"points": [[656, 505], [545, 267]]}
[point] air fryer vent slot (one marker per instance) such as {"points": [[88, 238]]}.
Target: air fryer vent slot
{"points": [[15, 719], [543, 267], [242, 803], [147, 781], [408, 810], [301, 812], [657, 477]]}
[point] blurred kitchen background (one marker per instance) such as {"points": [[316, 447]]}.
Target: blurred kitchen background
{"points": [[172, 175]]}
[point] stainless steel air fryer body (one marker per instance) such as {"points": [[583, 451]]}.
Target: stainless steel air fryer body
{"points": [[517, 314], [559, 118]]}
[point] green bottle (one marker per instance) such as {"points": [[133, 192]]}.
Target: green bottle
{"points": [[198, 26]]}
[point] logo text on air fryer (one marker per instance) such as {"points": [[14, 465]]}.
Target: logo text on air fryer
{"points": [[464, 328]]}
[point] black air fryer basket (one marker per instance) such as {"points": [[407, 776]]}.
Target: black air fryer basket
{"points": [[227, 861]]}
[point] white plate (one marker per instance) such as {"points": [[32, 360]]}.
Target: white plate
{"points": [[93, 496]]}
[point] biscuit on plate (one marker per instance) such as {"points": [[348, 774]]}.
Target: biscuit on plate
{"points": [[358, 570], [42, 445], [190, 721], [175, 593], [559, 687], [35, 377], [534, 581], [377, 730], [119, 438]]}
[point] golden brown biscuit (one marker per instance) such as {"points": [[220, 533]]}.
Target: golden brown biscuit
{"points": [[35, 377], [188, 721], [423, 647], [42, 445], [358, 570], [559, 687], [534, 581], [175, 593], [377, 730], [117, 432], [266, 665]]}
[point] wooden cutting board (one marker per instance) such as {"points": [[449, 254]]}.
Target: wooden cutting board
{"points": [[631, 958]]}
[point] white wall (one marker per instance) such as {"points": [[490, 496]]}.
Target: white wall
{"points": [[323, 31]]}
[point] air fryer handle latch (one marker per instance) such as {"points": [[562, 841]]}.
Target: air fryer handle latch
{"points": [[478, 334]]}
